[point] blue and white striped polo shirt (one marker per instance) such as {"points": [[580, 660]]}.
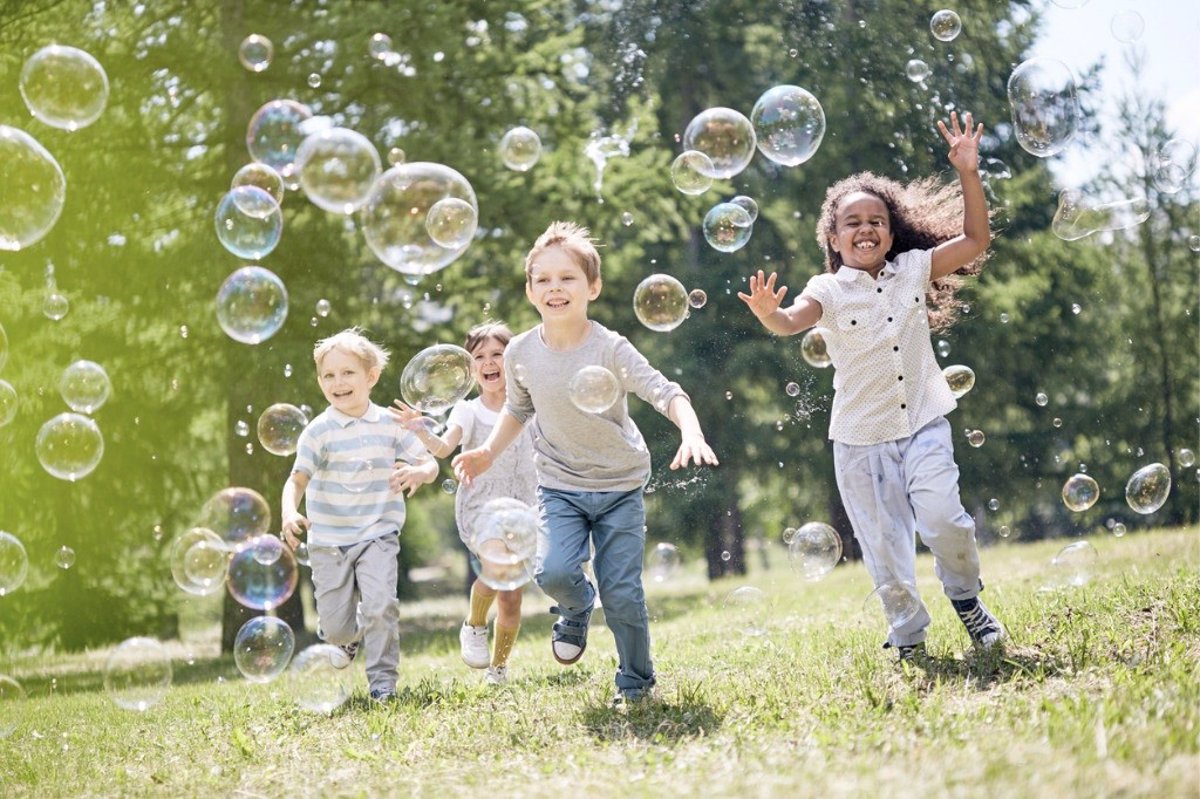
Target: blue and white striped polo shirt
{"points": [[348, 460]]}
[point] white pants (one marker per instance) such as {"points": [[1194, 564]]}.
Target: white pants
{"points": [[893, 490]]}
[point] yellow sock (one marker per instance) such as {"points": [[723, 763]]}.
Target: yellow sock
{"points": [[503, 643], [480, 605]]}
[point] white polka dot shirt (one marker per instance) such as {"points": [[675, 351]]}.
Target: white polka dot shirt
{"points": [[888, 384]]}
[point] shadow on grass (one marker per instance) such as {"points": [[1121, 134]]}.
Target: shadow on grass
{"points": [[687, 714], [988, 668]]}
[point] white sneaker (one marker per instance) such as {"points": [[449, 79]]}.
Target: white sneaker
{"points": [[342, 656], [496, 675], [473, 642]]}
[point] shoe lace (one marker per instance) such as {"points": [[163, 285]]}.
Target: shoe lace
{"points": [[976, 619]]}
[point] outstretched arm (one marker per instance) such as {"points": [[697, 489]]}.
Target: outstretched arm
{"points": [[419, 424], [692, 446], [949, 256], [764, 301], [294, 523], [474, 462]]}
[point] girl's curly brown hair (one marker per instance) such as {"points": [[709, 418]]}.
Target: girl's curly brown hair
{"points": [[922, 214]]}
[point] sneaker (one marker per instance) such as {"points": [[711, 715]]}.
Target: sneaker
{"points": [[383, 696], [984, 628], [907, 653], [473, 643], [344, 655], [496, 675], [568, 639], [627, 698]]}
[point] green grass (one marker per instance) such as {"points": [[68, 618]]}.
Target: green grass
{"points": [[1097, 694]]}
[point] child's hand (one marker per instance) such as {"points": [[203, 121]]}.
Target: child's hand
{"points": [[763, 299], [409, 417], [695, 449], [964, 146], [294, 525], [472, 463], [407, 477]]}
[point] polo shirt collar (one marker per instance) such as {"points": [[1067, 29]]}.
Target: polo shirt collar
{"points": [[345, 419], [848, 274]]}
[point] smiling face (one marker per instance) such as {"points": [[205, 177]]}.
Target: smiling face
{"points": [[346, 381], [558, 287], [487, 366], [862, 233]]}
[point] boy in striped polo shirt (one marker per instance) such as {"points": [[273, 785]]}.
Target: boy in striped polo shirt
{"points": [[343, 461]]}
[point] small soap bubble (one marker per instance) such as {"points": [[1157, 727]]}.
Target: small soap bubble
{"points": [[302, 554], [1076, 308], [273, 135], [64, 87], [660, 302], [1080, 492], [1148, 488], [252, 305], [263, 647], [241, 428], [728, 395], [899, 601], [993, 504], [248, 222], [749, 204], [396, 156], [84, 386], [451, 223], [1173, 164], [279, 428], [1005, 531], [976, 438], [1127, 26], [814, 550], [1056, 422], [520, 148], [626, 219], [69, 446], [961, 379], [1186, 457], [256, 52], [64, 558], [449, 486], [792, 389], [664, 562], [945, 25], [726, 136], [917, 70], [943, 348], [594, 389], [727, 227], [262, 177], [691, 172], [1041, 399], [137, 674], [236, 514], [814, 349], [314, 80], [788, 124], [34, 190], [323, 308], [14, 563], [726, 555], [262, 573], [1003, 318], [379, 46], [697, 298], [748, 603]]}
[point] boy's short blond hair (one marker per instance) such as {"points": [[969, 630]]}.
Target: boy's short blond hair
{"points": [[576, 240], [354, 342]]}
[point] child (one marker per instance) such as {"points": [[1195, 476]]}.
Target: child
{"points": [[891, 442], [342, 465], [470, 423], [591, 467]]}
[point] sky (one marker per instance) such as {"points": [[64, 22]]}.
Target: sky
{"points": [[1082, 36]]}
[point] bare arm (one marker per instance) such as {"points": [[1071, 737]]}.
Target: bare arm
{"points": [[764, 302], [415, 421], [474, 462], [408, 477], [959, 251], [293, 522], [692, 446]]}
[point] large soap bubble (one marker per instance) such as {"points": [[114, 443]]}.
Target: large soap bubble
{"points": [[660, 302], [436, 378], [84, 386], [69, 446], [452, 223], [255, 52], [274, 135], [279, 428], [749, 606], [945, 25], [8, 402], [394, 216], [594, 389], [138, 674], [263, 647], [1075, 564], [691, 172], [34, 189], [64, 87], [314, 684], [236, 514], [898, 600], [1080, 492], [1077, 217], [1045, 109], [199, 561], [814, 349], [252, 305], [14, 563], [663, 562], [507, 543], [725, 136], [789, 124], [959, 378], [262, 573], [249, 222], [337, 168], [1148, 488], [814, 550], [261, 176], [727, 227], [520, 148]]}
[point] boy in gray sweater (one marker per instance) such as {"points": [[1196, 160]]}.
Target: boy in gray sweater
{"points": [[591, 467]]}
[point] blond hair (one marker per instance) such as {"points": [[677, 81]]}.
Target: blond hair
{"points": [[578, 243], [353, 341]]}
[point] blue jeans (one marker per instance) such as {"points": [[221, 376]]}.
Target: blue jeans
{"points": [[616, 523]]}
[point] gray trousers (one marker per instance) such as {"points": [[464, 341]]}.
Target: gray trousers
{"points": [[355, 590]]}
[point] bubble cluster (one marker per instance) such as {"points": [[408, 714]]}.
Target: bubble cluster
{"points": [[594, 389], [945, 25], [236, 514], [660, 302], [337, 168], [64, 87], [274, 134], [255, 52], [507, 543], [520, 148], [313, 683], [959, 378], [1148, 488], [14, 563], [84, 386], [727, 227], [34, 190], [789, 124], [451, 223], [1044, 106], [664, 562], [69, 446], [1077, 217], [138, 674], [199, 561], [725, 136], [814, 349], [436, 378], [1080, 492], [279, 428], [691, 172], [814, 550], [252, 305], [262, 573], [263, 647], [898, 600]]}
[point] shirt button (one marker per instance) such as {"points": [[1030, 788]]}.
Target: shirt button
{"points": [[895, 349], [854, 321], [903, 406], [878, 291], [889, 318], [901, 377]]}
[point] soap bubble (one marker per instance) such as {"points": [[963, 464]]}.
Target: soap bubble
{"points": [[314, 684], [789, 124], [84, 386], [976, 438], [691, 172], [252, 305], [727, 227], [248, 222], [1148, 488], [898, 600], [961, 379], [396, 156], [8, 402], [260, 176], [199, 561], [34, 190], [236, 514], [725, 136], [749, 204], [749, 604], [380, 46], [660, 302], [69, 446], [1118, 530], [64, 87], [520, 148], [814, 550], [64, 558], [814, 349], [337, 168], [10, 692], [945, 25], [436, 378], [55, 306], [1045, 109], [257, 581], [14, 563], [279, 428], [507, 543], [1127, 26], [323, 308], [394, 216], [256, 52], [1194, 243], [1077, 217], [1041, 399], [697, 298], [1173, 164], [263, 647], [274, 135], [1075, 564], [138, 674], [917, 70], [1080, 492], [594, 389], [663, 562], [449, 486], [451, 223], [1186, 456], [302, 554]]}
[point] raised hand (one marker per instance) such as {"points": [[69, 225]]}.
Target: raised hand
{"points": [[409, 417], [763, 299], [408, 478], [964, 144]]}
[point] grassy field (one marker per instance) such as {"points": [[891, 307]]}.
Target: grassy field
{"points": [[1097, 694]]}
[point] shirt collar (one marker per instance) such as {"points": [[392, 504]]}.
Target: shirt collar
{"points": [[345, 419], [848, 274]]}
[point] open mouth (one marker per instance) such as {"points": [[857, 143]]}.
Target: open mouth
{"points": [[490, 376], [557, 302], [342, 394], [864, 246]]}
